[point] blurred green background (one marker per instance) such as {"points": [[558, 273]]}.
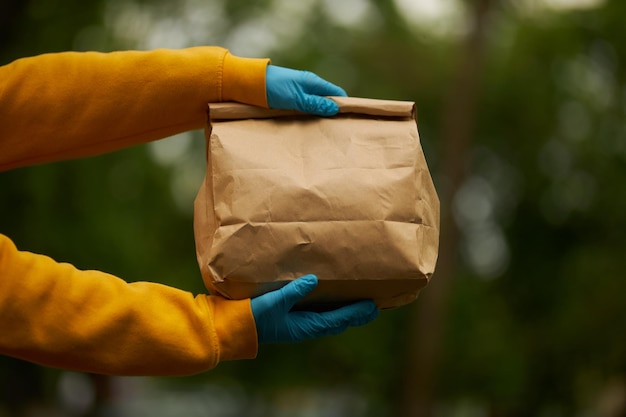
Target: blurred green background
{"points": [[521, 108]]}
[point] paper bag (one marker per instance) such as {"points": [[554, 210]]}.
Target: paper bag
{"points": [[348, 198]]}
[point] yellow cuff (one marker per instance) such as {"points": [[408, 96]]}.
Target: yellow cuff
{"points": [[235, 328], [244, 80]]}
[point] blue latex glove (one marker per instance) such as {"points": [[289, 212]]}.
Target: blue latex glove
{"points": [[289, 89], [276, 323]]}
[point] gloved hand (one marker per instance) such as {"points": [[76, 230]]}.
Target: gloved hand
{"points": [[290, 89], [275, 322]]}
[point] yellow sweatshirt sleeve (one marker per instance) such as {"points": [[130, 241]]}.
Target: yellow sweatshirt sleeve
{"points": [[69, 105], [75, 104], [56, 315]]}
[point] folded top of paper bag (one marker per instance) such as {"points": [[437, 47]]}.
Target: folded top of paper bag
{"points": [[356, 105]]}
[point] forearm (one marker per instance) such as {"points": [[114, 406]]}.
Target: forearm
{"points": [[56, 315], [69, 105]]}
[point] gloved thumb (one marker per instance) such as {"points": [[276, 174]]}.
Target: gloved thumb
{"points": [[319, 106], [315, 88], [297, 289]]}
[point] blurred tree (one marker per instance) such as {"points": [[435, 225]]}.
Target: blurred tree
{"points": [[10, 13], [427, 325], [553, 94]]}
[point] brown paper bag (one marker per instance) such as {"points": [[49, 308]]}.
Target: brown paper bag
{"points": [[347, 198]]}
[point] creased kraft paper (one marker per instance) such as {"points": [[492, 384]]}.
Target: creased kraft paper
{"points": [[348, 198]]}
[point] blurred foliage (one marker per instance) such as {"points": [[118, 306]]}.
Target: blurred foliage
{"points": [[536, 315]]}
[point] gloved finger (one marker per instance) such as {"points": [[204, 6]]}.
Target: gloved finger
{"points": [[296, 290], [314, 84], [305, 325], [356, 314], [313, 325], [319, 106]]}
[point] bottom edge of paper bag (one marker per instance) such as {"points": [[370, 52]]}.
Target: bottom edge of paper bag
{"points": [[331, 294]]}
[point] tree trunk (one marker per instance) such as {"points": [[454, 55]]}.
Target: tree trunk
{"points": [[426, 326]]}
